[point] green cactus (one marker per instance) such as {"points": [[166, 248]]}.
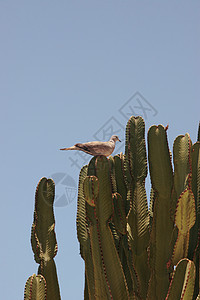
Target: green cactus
{"points": [[111, 270], [184, 274], [44, 243], [162, 228], [35, 288], [132, 250]]}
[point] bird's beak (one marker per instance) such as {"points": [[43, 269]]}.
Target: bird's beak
{"points": [[119, 140], [63, 149]]}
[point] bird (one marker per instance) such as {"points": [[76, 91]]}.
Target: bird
{"points": [[96, 148]]}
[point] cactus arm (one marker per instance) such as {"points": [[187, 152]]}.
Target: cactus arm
{"points": [[185, 214], [83, 236], [183, 279], [194, 239], [135, 158], [135, 168], [196, 176], [121, 210], [194, 244], [113, 270], [184, 218], [101, 288], [35, 288], [43, 238], [91, 190], [135, 149], [162, 181], [182, 163], [160, 160], [110, 281], [182, 168], [81, 225]]}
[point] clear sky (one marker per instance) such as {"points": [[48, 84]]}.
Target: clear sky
{"points": [[74, 71]]}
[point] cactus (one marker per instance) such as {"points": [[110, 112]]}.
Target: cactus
{"points": [[45, 284], [162, 228], [35, 288], [184, 273], [130, 251]]}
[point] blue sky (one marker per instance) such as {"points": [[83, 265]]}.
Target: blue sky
{"points": [[71, 71]]}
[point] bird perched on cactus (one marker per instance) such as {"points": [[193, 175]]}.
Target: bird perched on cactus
{"points": [[96, 148]]}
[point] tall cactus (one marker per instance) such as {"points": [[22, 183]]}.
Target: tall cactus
{"points": [[138, 215], [129, 250], [108, 270], [162, 228], [44, 245]]}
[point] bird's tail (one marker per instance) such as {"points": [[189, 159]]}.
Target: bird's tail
{"points": [[71, 148]]}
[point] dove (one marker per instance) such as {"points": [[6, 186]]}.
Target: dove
{"points": [[96, 148]]}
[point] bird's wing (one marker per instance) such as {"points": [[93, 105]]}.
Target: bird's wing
{"points": [[84, 148], [97, 148]]}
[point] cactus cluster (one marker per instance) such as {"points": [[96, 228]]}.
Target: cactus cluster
{"points": [[132, 251]]}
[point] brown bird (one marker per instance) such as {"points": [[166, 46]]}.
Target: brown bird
{"points": [[96, 147]]}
